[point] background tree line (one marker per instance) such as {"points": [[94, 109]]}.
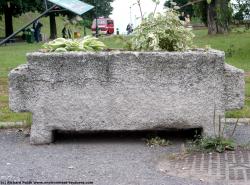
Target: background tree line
{"points": [[15, 8], [215, 14]]}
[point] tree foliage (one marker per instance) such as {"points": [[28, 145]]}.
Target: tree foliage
{"points": [[216, 14], [187, 9], [200, 10], [10, 8], [18, 7], [102, 8], [242, 8]]}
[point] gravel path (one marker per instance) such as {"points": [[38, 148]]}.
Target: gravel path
{"points": [[103, 160]]}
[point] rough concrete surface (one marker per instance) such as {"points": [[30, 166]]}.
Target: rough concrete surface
{"points": [[103, 160], [124, 91]]}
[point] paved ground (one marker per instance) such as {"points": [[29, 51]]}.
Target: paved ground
{"points": [[230, 167], [104, 160]]}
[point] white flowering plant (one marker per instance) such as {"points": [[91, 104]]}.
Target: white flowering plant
{"points": [[162, 31]]}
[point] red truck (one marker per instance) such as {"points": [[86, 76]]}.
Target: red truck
{"points": [[105, 26]]}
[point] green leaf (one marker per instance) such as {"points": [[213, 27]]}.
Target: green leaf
{"points": [[88, 43]]}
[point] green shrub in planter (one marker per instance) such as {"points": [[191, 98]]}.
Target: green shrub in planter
{"points": [[162, 32]]}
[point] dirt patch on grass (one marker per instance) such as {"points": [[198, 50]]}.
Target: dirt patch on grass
{"points": [[3, 86], [247, 74], [4, 101]]}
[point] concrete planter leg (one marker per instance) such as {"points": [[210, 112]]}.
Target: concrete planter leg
{"points": [[40, 134]]}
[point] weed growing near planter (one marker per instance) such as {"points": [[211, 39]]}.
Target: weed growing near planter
{"points": [[157, 141], [210, 144], [218, 143]]}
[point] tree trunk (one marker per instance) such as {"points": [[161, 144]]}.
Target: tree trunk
{"points": [[223, 24], [8, 21], [53, 30], [211, 18], [218, 17]]}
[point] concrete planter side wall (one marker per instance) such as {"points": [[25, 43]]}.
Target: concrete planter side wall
{"points": [[234, 88], [124, 91]]}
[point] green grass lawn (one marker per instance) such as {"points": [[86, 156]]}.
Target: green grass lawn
{"points": [[12, 56], [236, 44]]}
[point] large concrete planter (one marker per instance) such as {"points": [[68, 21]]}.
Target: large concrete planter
{"points": [[124, 91]]}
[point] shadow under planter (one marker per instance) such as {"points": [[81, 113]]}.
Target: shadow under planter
{"points": [[83, 91]]}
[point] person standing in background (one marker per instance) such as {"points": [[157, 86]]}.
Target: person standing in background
{"points": [[66, 32], [37, 30], [182, 16], [129, 28], [187, 20]]}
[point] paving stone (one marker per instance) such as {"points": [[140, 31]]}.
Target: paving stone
{"points": [[231, 167]]}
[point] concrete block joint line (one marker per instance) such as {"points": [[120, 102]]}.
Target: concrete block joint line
{"points": [[116, 90]]}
